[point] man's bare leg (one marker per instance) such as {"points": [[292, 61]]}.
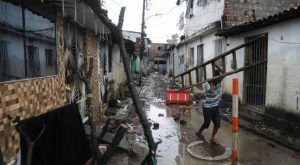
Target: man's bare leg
{"points": [[213, 139]]}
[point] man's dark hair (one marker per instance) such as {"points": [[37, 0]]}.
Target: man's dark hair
{"points": [[217, 81]]}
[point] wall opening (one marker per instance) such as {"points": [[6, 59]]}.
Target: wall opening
{"points": [[255, 79]]}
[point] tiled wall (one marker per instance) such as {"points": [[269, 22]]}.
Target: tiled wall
{"points": [[90, 45], [28, 98]]}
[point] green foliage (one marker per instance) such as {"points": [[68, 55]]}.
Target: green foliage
{"points": [[112, 91], [123, 90]]}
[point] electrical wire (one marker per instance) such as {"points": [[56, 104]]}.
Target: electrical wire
{"points": [[168, 11]]}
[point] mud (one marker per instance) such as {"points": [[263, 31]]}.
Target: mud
{"points": [[208, 149]]}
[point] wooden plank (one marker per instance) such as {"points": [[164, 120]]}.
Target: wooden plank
{"points": [[197, 75], [190, 79], [224, 64], [182, 81], [204, 72], [227, 74], [223, 55], [213, 68], [234, 61]]}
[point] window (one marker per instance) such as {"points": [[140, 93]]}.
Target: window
{"points": [[218, 51], [192, 56], [110, 59], [49, 57], [255, 78], [202, 3], [34, 68], [181, 59], [200, 60], [190, 9], [218, 46], [20, 57]]}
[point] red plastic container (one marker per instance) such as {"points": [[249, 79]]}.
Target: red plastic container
{"points": [[174, 96]]}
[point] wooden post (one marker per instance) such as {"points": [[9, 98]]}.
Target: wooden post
{"points": [[234, 60], [224, 64], [204, 72], [182, 81], [190, 79], [197, 75]]}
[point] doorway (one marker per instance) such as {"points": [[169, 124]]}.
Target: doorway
{"points": [[255, 78]]}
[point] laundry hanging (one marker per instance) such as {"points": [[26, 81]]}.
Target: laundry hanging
{"points": [[64, 140]]}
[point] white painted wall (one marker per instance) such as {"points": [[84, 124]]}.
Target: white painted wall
{"points": [[203, 16], [118, 72], [283, 78], [208, 53], [173, 61]]}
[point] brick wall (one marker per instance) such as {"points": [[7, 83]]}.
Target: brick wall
{"points": [[90, 44], [28, 98], [241, 11]]}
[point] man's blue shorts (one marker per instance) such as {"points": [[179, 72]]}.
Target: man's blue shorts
{"points": [[211, 114]]}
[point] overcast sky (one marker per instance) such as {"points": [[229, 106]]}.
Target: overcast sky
{"points": [[159, 28]]}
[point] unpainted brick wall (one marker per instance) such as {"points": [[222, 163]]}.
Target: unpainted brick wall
{"points": [[243, 11]]}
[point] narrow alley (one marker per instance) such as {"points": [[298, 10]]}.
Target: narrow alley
{"points": [[149, 82]]}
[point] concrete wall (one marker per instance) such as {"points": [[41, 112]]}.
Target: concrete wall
{"points": [[30, 97], [283, 85], [118, 72], [204, 15], [233, 12], [208, 53], [176, 62], [173, 62]]}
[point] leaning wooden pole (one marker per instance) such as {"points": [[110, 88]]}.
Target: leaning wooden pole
{"points": [[116, 33]]}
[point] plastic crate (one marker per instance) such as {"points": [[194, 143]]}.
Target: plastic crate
{"points": [[174, 96]]}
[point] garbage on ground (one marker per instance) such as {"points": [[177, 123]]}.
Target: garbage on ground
{"points": [[182, 122], [103, 148], [155, 125], [176, 117]]}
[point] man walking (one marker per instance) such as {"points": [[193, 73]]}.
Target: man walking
{"points": [[210, 108]]}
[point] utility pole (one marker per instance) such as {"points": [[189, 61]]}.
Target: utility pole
{"points": [[142, 50]]}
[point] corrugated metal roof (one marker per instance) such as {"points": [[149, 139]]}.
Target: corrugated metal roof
{"points": [[276, 18]]}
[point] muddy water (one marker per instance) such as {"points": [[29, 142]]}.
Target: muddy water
{"points": [[175, 137]]}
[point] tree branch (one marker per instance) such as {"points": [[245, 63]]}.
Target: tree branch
{"points": [[118, 37], [121, 17]]}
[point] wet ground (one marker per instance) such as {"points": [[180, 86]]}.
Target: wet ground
{"points": [[253, 150]]}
